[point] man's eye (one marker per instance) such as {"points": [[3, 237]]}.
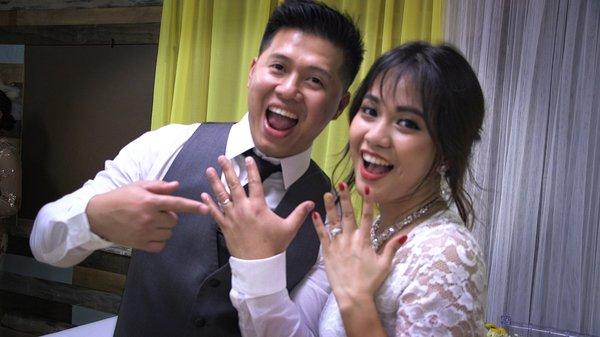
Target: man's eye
{"points": [[316, 80], [277, 66]]}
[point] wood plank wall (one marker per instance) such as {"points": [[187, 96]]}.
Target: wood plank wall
{"points": [[31, 306]]}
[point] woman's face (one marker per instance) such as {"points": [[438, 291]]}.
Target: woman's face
{"points": [[390, 146]]}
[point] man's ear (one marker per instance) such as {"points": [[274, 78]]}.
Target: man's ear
{"points": [[343, 104], [251, 71]]}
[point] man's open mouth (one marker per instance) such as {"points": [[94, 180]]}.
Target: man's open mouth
{"points": [[281, 120]]}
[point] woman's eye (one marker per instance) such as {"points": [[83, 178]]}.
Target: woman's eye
{"points": [[407, 123], [369, 111]]}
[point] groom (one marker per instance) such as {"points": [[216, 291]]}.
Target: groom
{"points": [[179, 278]]}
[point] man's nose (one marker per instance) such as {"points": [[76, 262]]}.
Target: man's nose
{"points": [[289, 89]]}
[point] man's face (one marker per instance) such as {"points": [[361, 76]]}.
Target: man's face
{"points": [[295, 88]]}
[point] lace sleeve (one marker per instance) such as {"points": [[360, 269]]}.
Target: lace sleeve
{"points": [[447, 289]]}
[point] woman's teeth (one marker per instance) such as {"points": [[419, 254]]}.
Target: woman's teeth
{"points": [[375, 160]]}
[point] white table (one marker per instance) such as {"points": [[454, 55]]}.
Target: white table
{"points": [[103, 328]]}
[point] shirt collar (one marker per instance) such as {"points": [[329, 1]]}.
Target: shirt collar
{"points": [[240, 140]]}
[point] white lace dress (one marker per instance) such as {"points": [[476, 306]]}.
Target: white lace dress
{"points": [[437, 286]]}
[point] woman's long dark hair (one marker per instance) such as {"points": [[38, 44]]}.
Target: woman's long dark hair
{"points": [[453, 107]]}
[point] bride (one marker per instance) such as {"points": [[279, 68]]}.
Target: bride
{"points": [[414, 269]]}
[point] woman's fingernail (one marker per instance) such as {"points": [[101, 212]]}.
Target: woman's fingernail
{"points": [[315, 215], [402, 239], [342, 186], [367, 190]]}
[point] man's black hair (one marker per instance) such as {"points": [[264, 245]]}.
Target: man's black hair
{"points": [[316, 18]]}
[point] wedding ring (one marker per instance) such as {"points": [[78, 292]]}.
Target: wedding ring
{"points": [[335, 231], [225, 202]]}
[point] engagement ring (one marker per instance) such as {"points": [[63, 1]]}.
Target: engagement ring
{"points": [[335, 232]]}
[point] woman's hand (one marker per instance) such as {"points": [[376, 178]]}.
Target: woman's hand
{"points": [[251, 229], [354, 269]]}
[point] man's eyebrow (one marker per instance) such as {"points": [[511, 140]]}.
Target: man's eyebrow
{"points": [[279, 56], [399, 108]]}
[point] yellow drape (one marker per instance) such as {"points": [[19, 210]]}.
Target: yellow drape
{"points": [[206, 46]]}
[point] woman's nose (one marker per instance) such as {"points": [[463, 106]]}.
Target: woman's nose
{"points": [[378, 134]]}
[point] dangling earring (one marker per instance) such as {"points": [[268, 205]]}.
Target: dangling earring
{"points": [[445, 191]]}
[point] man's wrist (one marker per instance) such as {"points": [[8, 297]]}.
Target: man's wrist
{"points": [[253, 253], [258, 277]]}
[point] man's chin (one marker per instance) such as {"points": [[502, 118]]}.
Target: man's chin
{"points": [[276, 148]]}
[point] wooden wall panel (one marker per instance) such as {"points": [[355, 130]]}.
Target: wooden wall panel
{"points": [[99, 280], [82, 105], [92, 16], [61, 4]]}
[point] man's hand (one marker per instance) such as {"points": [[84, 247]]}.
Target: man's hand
{"points": [[251, 229], [139, 215]]}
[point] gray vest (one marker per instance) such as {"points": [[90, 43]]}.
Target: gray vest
{"points": [[182, 291]]}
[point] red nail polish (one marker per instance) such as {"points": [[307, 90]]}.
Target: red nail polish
{"points": [[402, 239], [367, 190], [342, 186], [315, 215]]}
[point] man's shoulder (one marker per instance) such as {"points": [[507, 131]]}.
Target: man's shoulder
{"points": [[317, 174], [175, 128], [170, 133]]}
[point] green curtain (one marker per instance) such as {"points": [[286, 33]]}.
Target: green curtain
{"points": [[206, 46]]}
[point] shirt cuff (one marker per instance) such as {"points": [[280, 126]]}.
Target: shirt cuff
{"points": [[81, 234], [255, 278]]}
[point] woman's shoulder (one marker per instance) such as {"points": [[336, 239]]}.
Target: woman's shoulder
{"points": [[444, 227], [443, 237]]}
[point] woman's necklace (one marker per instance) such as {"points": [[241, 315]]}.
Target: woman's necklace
{"points": [[379, 239]]}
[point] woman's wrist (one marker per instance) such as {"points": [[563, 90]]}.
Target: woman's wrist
{"points": [[348, 300], [360, 316]]}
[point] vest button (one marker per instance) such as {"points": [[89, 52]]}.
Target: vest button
{"points": [[199, 322], [213, 283]]}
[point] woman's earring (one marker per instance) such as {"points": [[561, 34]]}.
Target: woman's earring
{"points": [[445, 191]]}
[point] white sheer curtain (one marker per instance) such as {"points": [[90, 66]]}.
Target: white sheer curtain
{"points": [[539, 159]]}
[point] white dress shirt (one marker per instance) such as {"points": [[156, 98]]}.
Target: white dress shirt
{"points": [[265, 308], [61, 234]]}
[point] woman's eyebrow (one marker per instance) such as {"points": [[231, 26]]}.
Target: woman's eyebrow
{"points": [[399, 108]]}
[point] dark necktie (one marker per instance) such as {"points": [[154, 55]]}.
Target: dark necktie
{"points": [[265, 169]]}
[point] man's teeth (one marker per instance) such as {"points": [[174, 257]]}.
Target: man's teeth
{"points": [[375, 160], [283, 113]]}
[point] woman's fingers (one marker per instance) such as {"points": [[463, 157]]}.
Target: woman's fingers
{"points": [[366, 220], [333, 218], [321, 230], [391, 247], [348, 218]]}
